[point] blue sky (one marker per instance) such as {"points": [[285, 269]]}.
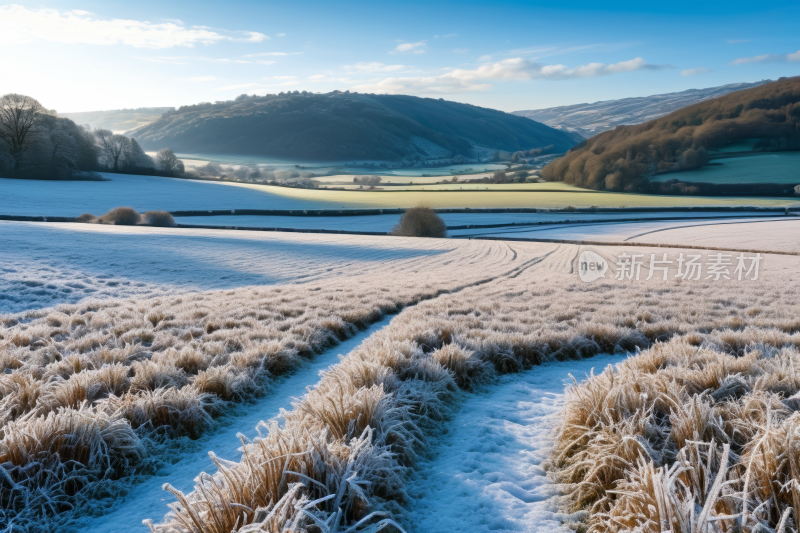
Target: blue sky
{"points": [[87, 55]]}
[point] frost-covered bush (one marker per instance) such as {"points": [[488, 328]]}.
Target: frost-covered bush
{"points": [[121, 216], [420, 222], [161, 219]]}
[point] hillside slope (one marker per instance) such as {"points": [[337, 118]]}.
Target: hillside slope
{"points": [[346, 126], [623, 158], [591, 119], [118, 120]]}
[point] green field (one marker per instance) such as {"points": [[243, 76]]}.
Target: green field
{"points": [[498, 196], [762, 167]]}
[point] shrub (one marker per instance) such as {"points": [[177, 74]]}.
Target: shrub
{"points": [[160, 219], [121, 216], [420, 222], [87, 218]]}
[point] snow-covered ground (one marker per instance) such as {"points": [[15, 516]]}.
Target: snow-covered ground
{"points": [[143, 193], [45, 264], [384, 223], [779, 235], [148, 193], [487, 473], [148, 500], [619, 231]]}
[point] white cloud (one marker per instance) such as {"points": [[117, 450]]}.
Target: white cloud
{"points": [[202, 78], [460, 50], [462, 80], [484, 58], [374, 66], [283, 78], [737, 41], [255, 37], [281, 35], [768, 58], [445, 36], [410, 48], [317, 77], [20, 25], [695, 71]]}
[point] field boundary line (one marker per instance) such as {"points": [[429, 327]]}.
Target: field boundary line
{"points": [[640, 244]]}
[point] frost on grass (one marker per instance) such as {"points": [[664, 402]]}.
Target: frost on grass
{"points": [[696, 434], [165, 367], [402, 385]]}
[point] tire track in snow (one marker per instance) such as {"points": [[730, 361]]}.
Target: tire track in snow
{"points": [[487, 474], [148, 500]]}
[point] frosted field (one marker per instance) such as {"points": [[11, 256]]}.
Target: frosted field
{"points": [[774, 234], [779, 235], [144, 193], [148, 500], [44, 264], [385, 223]]}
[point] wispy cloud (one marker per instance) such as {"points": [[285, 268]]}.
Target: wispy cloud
{"points": [[737, 41], [374, 66], [282, 78], [768, 58], [445, 36], [410, 48], [695, 71], [460, 50], [20, 25], [484, 58], [281, 35], [463, 80], [200, 79]]}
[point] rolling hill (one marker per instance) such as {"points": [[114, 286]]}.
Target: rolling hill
{"points": [[768, 117], [118, 120], [591, 119], [347, 126]]}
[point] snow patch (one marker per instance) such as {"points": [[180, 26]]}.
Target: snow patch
{"points": [[488, 473]]}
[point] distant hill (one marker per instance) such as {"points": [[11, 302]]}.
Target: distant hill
{"points": [[767, 116], [118, 120], [591, 119], [347, 126]]}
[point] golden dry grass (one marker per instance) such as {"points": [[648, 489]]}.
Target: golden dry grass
{"points": [[694, 434], [402, 383]]}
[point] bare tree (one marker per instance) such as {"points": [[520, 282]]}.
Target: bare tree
{"points": [[134, 157], [169, 162], [18, 117], [112, 146]]}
